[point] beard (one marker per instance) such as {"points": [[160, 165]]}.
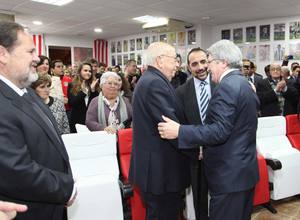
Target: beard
{"points": [[32, 77]]}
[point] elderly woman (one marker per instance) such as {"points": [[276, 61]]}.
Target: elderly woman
{"points": [[42, 88], [109, 111]]}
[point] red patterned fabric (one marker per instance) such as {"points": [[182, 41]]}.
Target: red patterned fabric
{"points": [[101, 51], [38, 40]]}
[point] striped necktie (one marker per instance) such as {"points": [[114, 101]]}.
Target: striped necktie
{"points": [[204, 99]]}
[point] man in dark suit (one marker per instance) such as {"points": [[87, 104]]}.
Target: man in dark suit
{"points": [[277, 96], [229, 136], [189, 98], [34, 164], [249, 72], [157, 166]]}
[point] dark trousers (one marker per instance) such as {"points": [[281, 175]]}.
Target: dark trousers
{"points": [[162, 207], [231, 206], [200, 190]]}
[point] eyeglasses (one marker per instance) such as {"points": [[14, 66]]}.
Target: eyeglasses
{"points": [[210, 61], [246, 66], [163, 55], [275, 69], [115, 84]]}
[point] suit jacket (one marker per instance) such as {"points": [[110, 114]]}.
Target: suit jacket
{"points": [[34, 164], [187, 99], [79, 108], [229, 136], [157, 166], [269, 101]]}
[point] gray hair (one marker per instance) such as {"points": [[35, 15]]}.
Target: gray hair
{"points": [[227, 50], [155, 50], [108, 74]]}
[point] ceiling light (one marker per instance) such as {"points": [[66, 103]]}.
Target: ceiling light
{"points": [[98, 30], [144, 19], [37, 22], [54, 2], [156, 23], [205, 18]]}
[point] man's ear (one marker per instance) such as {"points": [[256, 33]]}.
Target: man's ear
{"points": [[4, 54]]}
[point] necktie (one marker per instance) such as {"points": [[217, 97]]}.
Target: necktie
{"points": [[203, 100], [250, 79]]}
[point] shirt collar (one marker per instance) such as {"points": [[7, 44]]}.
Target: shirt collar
{"points": [[13, 86], [197, 82]]}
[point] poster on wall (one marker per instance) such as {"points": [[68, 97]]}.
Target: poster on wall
{"points": [[225, 34], [82, 53], [113, 60], [132, 56], [119, 60], [238, 35], [119, 47], [181, 51], [278, 52], [172, 38], [264, 53], [139, 59], [250, 52], [139, 44], [125, 45], [295, 30], [113, 47], [163, 38], [154, 38], [279, 31], [181, 38], [191, 37], [146, 42], [264, 32], [251, 34], [125, 58], [294, 49], [132, 45]]}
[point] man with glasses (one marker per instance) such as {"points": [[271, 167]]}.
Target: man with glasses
{"points": [[277, 96], [191, 96], [158, 168], [228, 136], [248, 68]]}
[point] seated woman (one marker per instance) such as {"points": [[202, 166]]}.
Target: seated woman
{"points": [[42, 88], [109, 111]]}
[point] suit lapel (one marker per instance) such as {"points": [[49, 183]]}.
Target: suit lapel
{"points": [[193, 113]]}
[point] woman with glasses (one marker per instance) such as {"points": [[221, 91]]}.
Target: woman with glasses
{"points": [[109, 111]]}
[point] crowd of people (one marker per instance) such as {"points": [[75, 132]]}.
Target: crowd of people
{"points": [[190, 128]]}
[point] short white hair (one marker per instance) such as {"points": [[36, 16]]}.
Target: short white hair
{"points": [[227, 50], [108, 74], [155, 50]]}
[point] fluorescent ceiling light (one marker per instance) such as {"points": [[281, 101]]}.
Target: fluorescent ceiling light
{"points": [[98, 30], [54, 2], [156, 22], [144, 19], [37, 22]]}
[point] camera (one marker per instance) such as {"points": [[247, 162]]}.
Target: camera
{"points": [[290, 57]]}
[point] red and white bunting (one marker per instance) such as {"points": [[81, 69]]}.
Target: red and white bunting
{"points": [[101, 51], [38, 40]]}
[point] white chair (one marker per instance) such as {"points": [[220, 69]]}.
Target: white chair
{"points": [[94, 164], [273, 143], [81, 128]]}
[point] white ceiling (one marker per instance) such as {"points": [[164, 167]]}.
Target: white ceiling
{"points": [[80, 17]]}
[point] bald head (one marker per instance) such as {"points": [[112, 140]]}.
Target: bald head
{"points": [[275, 71]]}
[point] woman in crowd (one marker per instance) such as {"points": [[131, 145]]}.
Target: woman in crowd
{"points": [[109, 111], [80, 93], [43, 66], [42, 88]]}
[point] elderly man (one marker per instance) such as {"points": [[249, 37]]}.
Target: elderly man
{"points": [[34, 164], [277, 96], [157, 167], [228, 136]]}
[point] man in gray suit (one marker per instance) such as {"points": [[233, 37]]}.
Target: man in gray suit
{"points": [[34, 164]]}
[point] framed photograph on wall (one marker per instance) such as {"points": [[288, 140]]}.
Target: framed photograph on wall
{"points": [[163, 38], [251, 34], [146, 42], [132, 56], [119, 60], [191, 37], [238, 35], [132, 45], [119, 47], [154, 38], [264, 32], [295, 30], [113, 60], [125, 58], [264, 53], [82, 53], [225, 34], [250, 52], [294, 49], [125, 45], [113, 47], [139, 59], [172, 38], [278, 52], [181, 38], [279, 31], [139, 44]]}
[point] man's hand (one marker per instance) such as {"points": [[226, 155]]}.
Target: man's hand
{"points": [[72, 200], [8, 210], [168, 129]]}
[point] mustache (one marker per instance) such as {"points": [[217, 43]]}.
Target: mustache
{"points": [[201, 71]]}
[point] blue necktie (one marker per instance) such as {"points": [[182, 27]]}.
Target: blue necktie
{"points": [[204, 99]]}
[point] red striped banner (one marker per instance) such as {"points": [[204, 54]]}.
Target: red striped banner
{"points": [[38, 40], [101, 51]]}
